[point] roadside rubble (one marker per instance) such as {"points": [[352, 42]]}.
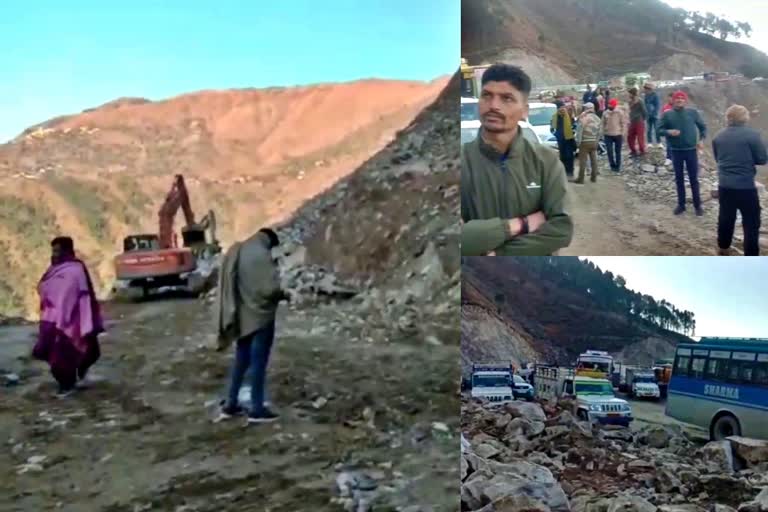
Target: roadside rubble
{"points": [[534, 458]]}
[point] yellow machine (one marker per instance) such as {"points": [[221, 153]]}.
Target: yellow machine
{"points": [[470, 79]]}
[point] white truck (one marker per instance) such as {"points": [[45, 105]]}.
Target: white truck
{"points": [[642, 383], [593, 398], [492, 382]]}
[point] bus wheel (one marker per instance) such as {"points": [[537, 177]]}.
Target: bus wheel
{"points": [[724, 426]]}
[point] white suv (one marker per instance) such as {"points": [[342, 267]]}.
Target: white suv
{"points": [[470, 123]]}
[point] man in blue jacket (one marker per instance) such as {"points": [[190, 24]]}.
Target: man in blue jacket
{"points": [[684, 130], [738, 149], [652, 106]]}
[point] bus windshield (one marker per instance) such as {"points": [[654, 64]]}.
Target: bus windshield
{"points": [[594, 388]]}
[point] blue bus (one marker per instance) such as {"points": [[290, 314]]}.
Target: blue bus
{"points": [[721, 384]]}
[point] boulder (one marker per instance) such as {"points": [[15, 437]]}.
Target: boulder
{"points": [[464, 467], [753, 451], [759, 504], [487, 451], [516, 504], [681, 508], [657, 437], [719, 453], [529, 410], [630, 504], [549, 493], [522, 469]]}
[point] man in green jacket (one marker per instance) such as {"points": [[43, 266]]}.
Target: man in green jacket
{"points": [[685, 131], [249, 292], [513, 192]]}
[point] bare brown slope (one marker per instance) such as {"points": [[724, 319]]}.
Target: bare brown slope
{"points": [[254, 156], [581, 36]]}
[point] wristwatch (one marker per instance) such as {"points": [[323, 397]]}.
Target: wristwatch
{"points": [[524, 220]]}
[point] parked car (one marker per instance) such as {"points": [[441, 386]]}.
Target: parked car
{"points": [[470, 123], [521, 388], [540, 118]]}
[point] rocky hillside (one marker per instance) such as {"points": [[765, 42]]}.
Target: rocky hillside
{"points": [[578, 38], [510, 313], [254, 156], [390, 227]]}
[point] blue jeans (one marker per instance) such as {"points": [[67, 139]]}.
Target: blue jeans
{"points": [[690, 159], [252, 351], [651, 128], [613, 145]]}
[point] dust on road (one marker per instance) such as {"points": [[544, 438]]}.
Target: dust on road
{"points": [[143, 439]]}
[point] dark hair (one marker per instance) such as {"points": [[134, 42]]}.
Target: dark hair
{"points": [[65, 243], [273, 240], [513, 75]]}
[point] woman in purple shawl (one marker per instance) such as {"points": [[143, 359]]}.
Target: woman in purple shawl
{"points": [[70, 318]]}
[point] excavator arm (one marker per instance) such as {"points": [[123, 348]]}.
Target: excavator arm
{"points": [[176, 198]]}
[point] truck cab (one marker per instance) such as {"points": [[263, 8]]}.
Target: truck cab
{"points": [[595, 363], [492, 383]]}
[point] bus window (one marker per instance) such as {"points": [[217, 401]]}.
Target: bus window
{"points": [[760, 375], [747, 370], [717, 369], [681, 366], [697, 367]]}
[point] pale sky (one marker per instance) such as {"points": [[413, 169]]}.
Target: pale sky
{"points": [[754, 12], [728, 295]]}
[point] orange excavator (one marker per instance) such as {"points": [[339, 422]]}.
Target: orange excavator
{"points": [[155, 261]]}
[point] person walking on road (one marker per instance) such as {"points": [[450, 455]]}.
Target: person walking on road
{"points": [[652, 107], [588, 134], [737, 150], [685, 130], [562, 126], [249, 293], [70, 318], [614, 126], [637, 117], [669, 105]]}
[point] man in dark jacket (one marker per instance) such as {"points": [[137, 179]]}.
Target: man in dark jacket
{"points": [[738, 149], [652, 107], [588, 96], [249, 293], [684, 130], [513, 192]]}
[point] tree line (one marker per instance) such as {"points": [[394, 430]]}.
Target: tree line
{"points": [[710, 24], [609, 292]]}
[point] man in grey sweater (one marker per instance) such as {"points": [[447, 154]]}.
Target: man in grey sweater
{"points": [[738, 149]]}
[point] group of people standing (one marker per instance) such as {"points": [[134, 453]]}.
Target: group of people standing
{"points": [[737, 150]]}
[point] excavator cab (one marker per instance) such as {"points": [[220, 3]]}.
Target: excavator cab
{"points": [[146, 242]]}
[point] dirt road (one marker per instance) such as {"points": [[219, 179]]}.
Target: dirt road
{"points": [[649, 412], [144, 439], [631, 214]]}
